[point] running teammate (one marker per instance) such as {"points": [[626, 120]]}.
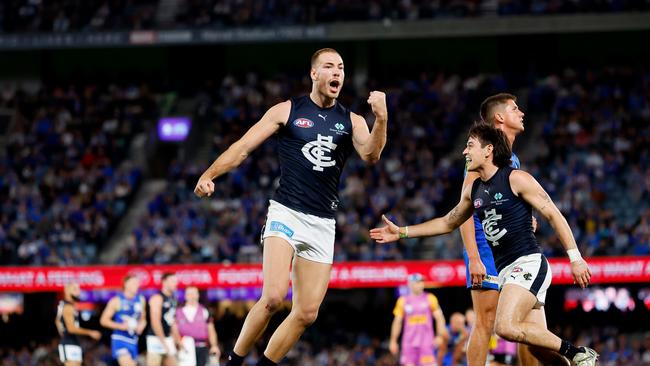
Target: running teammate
{"points": [[504, 198], [502, 112]]}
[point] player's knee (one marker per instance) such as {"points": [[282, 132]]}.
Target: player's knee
{"points": [[272, 301], [508, 331], [485, 321], [306, 316]]}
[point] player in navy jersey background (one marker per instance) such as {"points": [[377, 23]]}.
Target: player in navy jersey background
{"points": [[501, 111], [316, 134], [503, 198]]}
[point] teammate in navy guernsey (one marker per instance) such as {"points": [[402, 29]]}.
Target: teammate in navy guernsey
{"points": [[162, 313], [503, 198], [125, 314], [67, 323], [502, 112], [316, 134]]}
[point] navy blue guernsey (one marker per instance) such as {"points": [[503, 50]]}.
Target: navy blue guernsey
{"points": [[313, 147], [506, 218]]}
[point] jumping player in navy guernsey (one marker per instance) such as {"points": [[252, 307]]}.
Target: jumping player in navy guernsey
{"points": [[502, 112], [162, 313], [503, 198], [316, 134], [67, 322]]}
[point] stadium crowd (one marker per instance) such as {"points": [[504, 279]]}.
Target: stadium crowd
{"points": [[594, 182], [65, 174], [97, 15]]}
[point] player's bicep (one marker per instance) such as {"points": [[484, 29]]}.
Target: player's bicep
{"points": [[468, 182], [68, 317], [360, 132], [529, 189], [110, 309]]}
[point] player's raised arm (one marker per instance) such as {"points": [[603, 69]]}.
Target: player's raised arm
{"points": [[437, 226], [368, 144], [269, 124], [527, 187]]}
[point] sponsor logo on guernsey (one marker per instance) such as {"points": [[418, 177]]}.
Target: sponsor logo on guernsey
{"points": [[303, 123], [499, 198], [318, 152], [339, 128], [281, 228]]}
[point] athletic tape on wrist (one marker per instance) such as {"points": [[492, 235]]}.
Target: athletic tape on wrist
{"points": [[574, 255]]}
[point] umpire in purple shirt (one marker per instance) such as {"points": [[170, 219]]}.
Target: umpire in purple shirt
{"points": [[194, 320]]}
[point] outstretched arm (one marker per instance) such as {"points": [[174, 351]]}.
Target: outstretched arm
{"points": [[275, 117], [369, 145], [437, 226], [526, 187]]}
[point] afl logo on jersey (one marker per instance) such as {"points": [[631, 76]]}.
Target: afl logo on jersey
{"points": [[478, 203], [303, 123]]}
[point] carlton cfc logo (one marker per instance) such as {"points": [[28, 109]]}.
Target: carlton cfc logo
{"points": [[303, 123]]}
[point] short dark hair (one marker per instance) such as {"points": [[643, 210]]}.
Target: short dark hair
{"points": [[166, 275], [314, 57], [489, 135], [488, 105]]}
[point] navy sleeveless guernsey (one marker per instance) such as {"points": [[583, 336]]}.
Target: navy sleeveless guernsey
{"points": [[506, 218], [67, 337], [313, 147], [168, 314]]}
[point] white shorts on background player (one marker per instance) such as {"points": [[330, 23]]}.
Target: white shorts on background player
{"points": [[70, 353], [312, 237], [154, 345], [531, 272]]}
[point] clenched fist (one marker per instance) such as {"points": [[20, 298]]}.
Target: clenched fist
{"points": [[377, 101], [204, 187]]}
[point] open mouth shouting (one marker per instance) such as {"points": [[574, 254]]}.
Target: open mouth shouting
{"points": [[334, 86]]}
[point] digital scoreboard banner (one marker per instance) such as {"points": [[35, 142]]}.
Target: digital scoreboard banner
{"points": [[606, 270]]}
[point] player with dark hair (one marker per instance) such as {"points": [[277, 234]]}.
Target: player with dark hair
{"points": [[162, 312], [67, 322], [504, 198]]}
